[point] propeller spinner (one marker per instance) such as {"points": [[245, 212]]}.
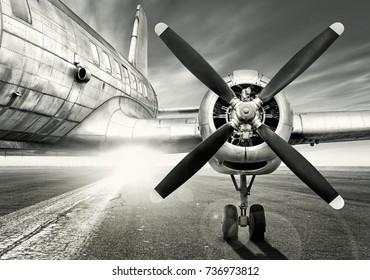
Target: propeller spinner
{"points": [[246, 113]]}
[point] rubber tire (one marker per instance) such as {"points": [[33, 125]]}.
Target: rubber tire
{"points": [[230, 223], [257, 223]]}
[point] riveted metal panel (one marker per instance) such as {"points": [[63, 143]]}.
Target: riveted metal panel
{"points": [[34, 36], [74, 92], [57, 76], [6, 91], [40, 121], [65, 110], [48, 105], [32, 51], [16, 120], [94, 83], [24, 121], [76, 109], [45, 72], [64, 67], [48, 74], [49, 46], [50, 126], [83, 113], [83, 44], [13, 61], [5, 7], [63, 91], [31, 66], [111, 91], [50, 30], [63, 52], [85, 100], [6, 118], [38, 83], [25, 80], [36, 17], [47, 58], [27, 101], [12, 26], [64, 128], [69, 77]]}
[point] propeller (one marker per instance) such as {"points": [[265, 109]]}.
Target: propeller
{"points": [[194, 62], [194, 161], [301, 167], [246, 113], [301, 61]]}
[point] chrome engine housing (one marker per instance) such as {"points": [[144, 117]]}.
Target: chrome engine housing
{"points": [[245, 152]]}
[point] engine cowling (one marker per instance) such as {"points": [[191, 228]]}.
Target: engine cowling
{"points": [[245, 152]]}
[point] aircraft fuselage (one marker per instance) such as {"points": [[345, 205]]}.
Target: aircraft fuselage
{"points": [[41, 100]]}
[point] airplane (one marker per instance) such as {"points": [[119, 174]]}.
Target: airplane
{"points": [[66, 89]]}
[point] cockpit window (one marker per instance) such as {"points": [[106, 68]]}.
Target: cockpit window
{"points": [[21, 10]]}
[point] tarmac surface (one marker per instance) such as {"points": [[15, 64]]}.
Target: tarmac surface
{"points": [[89, 213]]}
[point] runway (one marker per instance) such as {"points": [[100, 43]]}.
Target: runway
{"points": [[92, 214]]}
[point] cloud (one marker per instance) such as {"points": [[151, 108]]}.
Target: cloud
{"points": [[248, 34]]}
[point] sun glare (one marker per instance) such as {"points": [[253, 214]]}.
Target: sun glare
{"points": [[132, 164]]}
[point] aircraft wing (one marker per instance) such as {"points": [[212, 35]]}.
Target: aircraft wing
{"points": [[325, 127], [174, 131]]}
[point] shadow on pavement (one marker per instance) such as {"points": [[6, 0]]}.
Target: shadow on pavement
{"points": [[268, 252]]}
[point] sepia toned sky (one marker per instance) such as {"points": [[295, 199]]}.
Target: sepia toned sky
{"points": [[250, 34]]}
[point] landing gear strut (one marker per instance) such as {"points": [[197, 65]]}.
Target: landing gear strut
{"points": [[256, 220]]}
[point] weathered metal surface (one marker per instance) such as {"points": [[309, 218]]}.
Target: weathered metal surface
{"points": [[233, 159], [314, 128], [117, 122], [40, 99]]}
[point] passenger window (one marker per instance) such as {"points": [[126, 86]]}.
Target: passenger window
{"points": [[95, 53], [125, 74], [140, 87], [133, 81], [21, 10], [145, 91], [106, 61], [117, 70]]}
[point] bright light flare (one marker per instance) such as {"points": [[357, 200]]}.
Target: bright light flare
{"points": [[133, 165]]}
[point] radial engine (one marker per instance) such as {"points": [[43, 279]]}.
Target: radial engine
{"points": [[245, 152]]}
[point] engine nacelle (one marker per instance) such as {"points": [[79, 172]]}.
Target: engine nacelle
{"points": [[245, 152]]}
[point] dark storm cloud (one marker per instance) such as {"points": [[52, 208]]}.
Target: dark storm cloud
{"points": [[248, 34]]}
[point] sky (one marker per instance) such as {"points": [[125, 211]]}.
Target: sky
{"points": [[250, 34]]}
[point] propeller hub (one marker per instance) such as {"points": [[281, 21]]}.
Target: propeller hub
{"points": [[246, 111]]}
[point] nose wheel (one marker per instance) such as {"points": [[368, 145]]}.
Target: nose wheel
{"points": [[256, 219]]}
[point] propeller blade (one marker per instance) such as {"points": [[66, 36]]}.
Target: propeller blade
{"points": [[194, 62], [301, 61], [301, 167], [194, 161]]}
